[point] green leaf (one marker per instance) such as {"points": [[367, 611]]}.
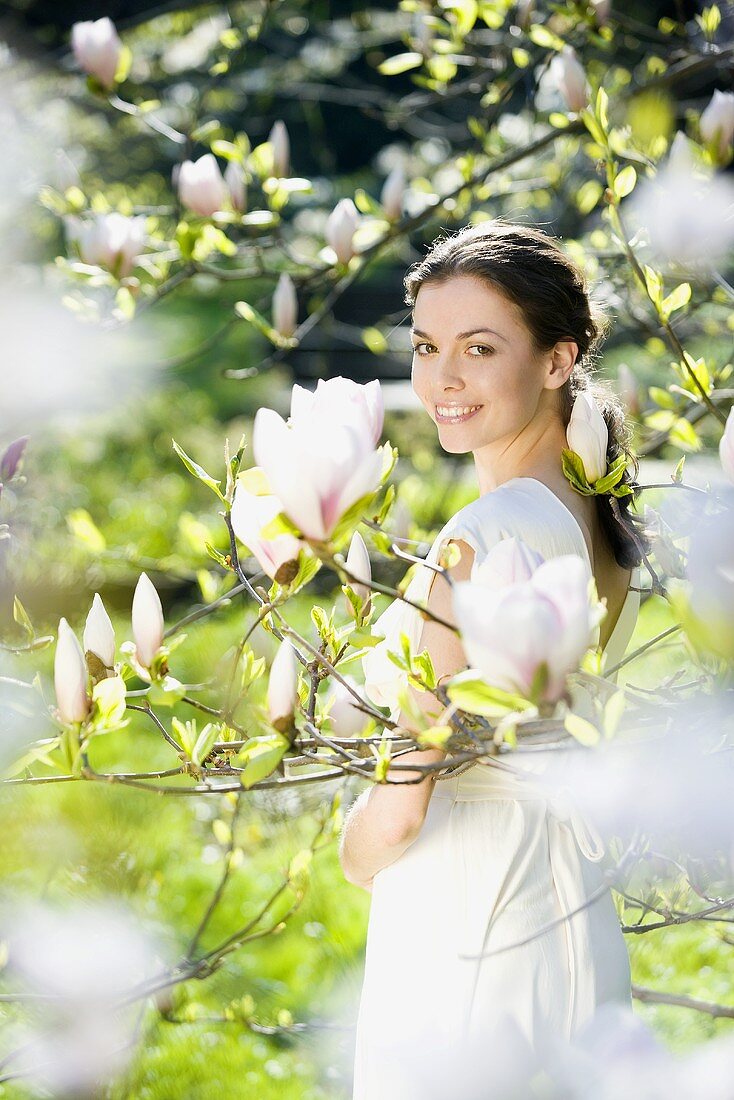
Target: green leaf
{"points": [[582, 730], [249, 313], [21, 616], [204, 743], [83, 527], [166, 692], [198, 471], [573, 469], [474, 695], [676, 299], [613, 476], [108, 696], [544, 37], [624, 183], [260, 756], [678, 472], [400, 63], [654, 283]]}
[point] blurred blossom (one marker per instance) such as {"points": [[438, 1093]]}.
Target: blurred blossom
{"points": [[392, 193], [726, 447], [12, 458], [629, 389], [347, 720], [588, 435], [358, 562], [234, 177], [147, 620], [278, 137], [567, 74], [285, 305], [282, 694], [113, 241], [509, 561], [324, 459], [250, 513], [509, 633], [97, 49], [717, 122], [686, 211], [710, 570], [99, 634], [70, 676], [602, 10], [201, 186], [83, 958], [341, 225]]}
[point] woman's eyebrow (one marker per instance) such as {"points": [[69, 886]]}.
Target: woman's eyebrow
{"points": [[462, 335]]}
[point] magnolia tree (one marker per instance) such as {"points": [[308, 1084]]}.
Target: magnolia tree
{"points": [[315, 492]]}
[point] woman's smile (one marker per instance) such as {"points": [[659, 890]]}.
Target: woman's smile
{"points": [[456, 414]]}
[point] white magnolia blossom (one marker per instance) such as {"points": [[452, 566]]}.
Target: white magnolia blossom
{"points": [[510, 632], [358, 562], [113, 241], [280, 141], [99, 634], [587, 434], [392, 193], [97, 48], [710, 571], [250, 513], [234, 177], [509, 561], [285, 305], [685, 211], [282, 694], [341, 225], [201, 185], [70, 676], [568, 74], [347, 720], [717, 122], [324, 459], [726, 447], [147, 620]]}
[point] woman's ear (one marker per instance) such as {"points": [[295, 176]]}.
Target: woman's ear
{"points": [[562, 361]]}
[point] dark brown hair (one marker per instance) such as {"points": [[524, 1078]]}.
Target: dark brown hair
{"points": [[532, 271]]}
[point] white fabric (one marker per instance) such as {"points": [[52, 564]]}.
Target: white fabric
{"points": [[496, 859]]}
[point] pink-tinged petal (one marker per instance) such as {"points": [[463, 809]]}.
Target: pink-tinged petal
{"points": [[726, 447], [276, 448], [99, 634], [250, 513], [147, 620], [70, 676], [509, 561], [346, 719], [358, 563], [282, 694], [365, 479]]}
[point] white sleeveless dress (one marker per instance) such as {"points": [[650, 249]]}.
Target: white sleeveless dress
{"points": [[496, 859]]}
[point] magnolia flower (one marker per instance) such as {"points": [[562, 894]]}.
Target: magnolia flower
{"points": [[97, 49], [113, 241], [726, 446], [285, 306], [250, 513], [347, 719], [234, 177], [283, 685], [324, 459], [509, 633], [70, 676], [569, 76], [147, 620], [278, 137], [341, 225], [509, 561], [99, 634], [201, 185], [710, 571], [392, 193], [629, 389], [588, 436], [11, 458], [717, 122], [602, 10], [358, 563]]}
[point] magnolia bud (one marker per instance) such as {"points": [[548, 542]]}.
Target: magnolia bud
{"points": [[283, 685], [358, 563], [392, 194], [99, 634], [201, 185], [147, 620], [97, 49], [285, 306], [234, 177], [717, 122], [588, 436], [341, 226], [726, 447], [570, 78], [278, 137], [70, 676]]}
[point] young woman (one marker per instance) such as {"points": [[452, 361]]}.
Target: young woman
{"points": [[466, 872]]}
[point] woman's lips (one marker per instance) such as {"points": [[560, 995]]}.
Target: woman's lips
{"points": [[457, 418]]}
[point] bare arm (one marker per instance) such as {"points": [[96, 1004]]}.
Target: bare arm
{"points": [[385, 819]]}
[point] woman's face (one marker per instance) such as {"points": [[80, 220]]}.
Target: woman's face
{"points": [[456, 366]]}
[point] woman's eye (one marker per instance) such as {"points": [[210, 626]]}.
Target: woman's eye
{"points": [[422, 345], [483, 348]]}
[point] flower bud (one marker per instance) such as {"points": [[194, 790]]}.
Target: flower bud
{"points": [[99, 634], [358, 563], [283, 685], [569, 76], [392, 194], [726, 447], [346, 719], [285, 306], [97, 49], [341, 226], [12, 457], [717, 122], [147, 620], [588, 436], [201, 185], [70, 676], [234, 177], [113, 241], [278, 137]]}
